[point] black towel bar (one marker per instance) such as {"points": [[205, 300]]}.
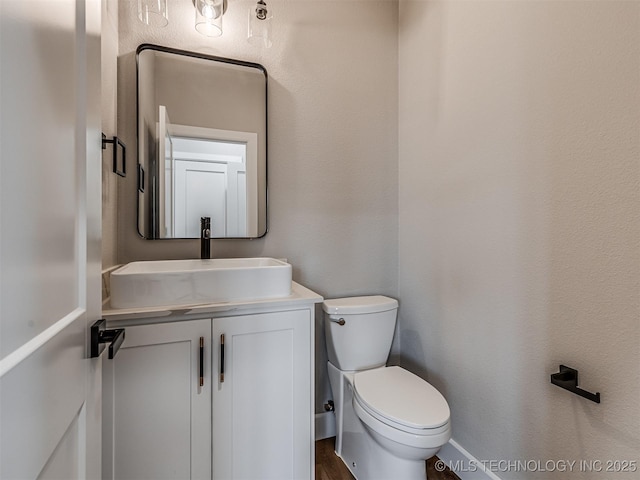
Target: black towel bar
{"points": [[115, 141]]}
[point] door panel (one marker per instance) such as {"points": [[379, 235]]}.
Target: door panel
{"points": [[200, 191], [50, 226], [41, 397], [38, 142], [65, 461]]}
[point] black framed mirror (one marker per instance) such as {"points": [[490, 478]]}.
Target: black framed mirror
{"points": [[202, 144]]}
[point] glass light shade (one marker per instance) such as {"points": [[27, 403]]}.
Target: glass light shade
{"points": [[153, 12], [259, 25], [209, 17]]}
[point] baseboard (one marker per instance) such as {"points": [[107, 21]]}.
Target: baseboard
{"points": [[325, 425], [465, 465]]}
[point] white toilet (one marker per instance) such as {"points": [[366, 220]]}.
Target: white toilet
{"points": [[388, 420]]}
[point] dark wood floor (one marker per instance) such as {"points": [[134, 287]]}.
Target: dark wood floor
{"points": [[330, 467]]}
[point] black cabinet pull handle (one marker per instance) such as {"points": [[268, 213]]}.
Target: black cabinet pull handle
{"points": [[222, 358], [100, 335], [202, 361]]}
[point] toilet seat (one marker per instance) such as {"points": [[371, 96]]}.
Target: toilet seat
{"points": [[434, 438], [401, 400]]}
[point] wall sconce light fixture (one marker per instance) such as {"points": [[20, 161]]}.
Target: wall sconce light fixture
{"points": [[259, 32], [153, 12], [208, 18]]}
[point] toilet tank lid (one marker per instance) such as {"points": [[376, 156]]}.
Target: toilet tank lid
{"points": [[356, 305]]}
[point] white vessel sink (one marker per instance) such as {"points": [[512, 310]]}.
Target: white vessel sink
{"points": [[192, 282]]}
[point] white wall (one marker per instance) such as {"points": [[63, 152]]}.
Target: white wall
{"points": [[519, 230], [333, 184]]}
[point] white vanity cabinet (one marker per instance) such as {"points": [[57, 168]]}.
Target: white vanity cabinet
{"points": [[253, 418], [262, 409], [156, 416]]}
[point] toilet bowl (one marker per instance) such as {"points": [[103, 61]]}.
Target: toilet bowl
{"points": [[388, 420], [402, 411]]}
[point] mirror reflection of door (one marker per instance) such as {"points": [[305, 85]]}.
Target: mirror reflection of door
{"points": [[165, 198], [202, 173], [209, 181]]}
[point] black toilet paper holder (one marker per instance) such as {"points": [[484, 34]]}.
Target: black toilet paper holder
{"points": [[567, 378]]}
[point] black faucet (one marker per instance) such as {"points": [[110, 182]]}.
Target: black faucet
{"points": [[205, 237]]}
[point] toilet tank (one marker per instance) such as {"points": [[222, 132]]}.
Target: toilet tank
{"points": [[364, 340]]}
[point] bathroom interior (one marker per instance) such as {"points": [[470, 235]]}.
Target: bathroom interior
{"points": [[478, 161]]}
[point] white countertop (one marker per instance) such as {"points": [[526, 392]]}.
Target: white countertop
{"points": [[300, 296]]}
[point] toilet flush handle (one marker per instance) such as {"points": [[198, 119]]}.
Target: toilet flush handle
{"points": [[339, 321]]}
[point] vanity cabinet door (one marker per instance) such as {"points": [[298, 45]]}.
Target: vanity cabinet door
{"points": [[262, 402], [157, 416]]}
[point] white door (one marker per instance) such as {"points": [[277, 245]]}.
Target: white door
{"points": [[157, 404], [200, 191], [236, 200], [165, 173], [262, 405], [50, 159]]}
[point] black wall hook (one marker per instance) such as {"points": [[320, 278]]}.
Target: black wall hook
{"points": [[567, 378]]}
